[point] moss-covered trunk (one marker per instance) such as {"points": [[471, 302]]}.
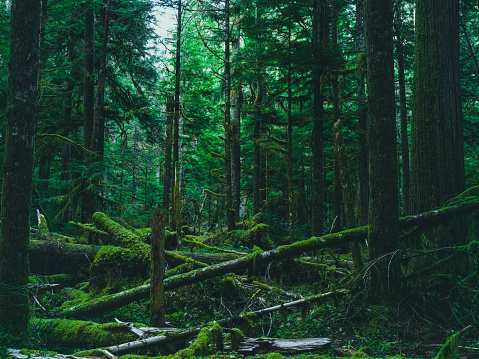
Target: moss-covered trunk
{"points": [[18, 164]]}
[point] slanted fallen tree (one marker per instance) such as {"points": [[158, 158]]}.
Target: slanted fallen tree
{"points": [[113, 301]]}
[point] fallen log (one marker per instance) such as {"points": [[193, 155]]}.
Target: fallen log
{"points": [[80, 334], [53, 257], [253, 346], [48, 257], [113, 301]]}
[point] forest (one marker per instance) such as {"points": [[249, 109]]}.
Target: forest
{"points": [[233, 178]]}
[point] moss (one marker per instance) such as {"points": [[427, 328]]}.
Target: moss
{"points": [[77, 333], [256, 236], [208, 342], [114, 264]]}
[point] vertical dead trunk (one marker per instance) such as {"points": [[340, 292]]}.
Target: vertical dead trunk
{"points": [[157, 294]]}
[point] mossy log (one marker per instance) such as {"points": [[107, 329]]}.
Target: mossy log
{"points": [[80, 334], [113, 301], [53, 257]]}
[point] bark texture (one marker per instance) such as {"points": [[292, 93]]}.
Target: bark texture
{"points": [[383, 183], [18, 164], [437, 161]]}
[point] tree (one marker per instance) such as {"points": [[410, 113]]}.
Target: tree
{"points": [[383, 185], [437, 154], [320, 37], [18, 164]]}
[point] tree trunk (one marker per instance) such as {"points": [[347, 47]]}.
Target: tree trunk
{"points": [[157, 294], [403, 113], [340, 153], [174, 220], [437, 155], [383, 182], [230, 221], [318, 118], [289, 160], [362, 118], [110, 302], [89, 77], [98, 133], [21, 119], [170, 109]]}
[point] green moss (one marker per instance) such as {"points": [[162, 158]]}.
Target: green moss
{"points": [[256, 236], [112, 265], [80, 334], [209, 341]]}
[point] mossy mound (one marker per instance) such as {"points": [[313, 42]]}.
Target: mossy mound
{"points": [[113, 265]]}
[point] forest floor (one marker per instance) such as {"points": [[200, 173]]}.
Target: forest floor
{"points": [[418, 325]]}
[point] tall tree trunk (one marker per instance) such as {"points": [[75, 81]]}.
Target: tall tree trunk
{"points": [[98, 133], [174, 223], [257, 178], [320, 33], [236, 100], [170, 109], [230, 222], [89, 77], [383, 181], [336, 114], [136, 150], [437, 155], [18, 165], [362, 118], [289, 164], [347, 196], [157, 294], [403, 113]]}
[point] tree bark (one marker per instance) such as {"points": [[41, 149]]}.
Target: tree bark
{"points": [[406, 182], [383, 183], [98, 133], [362, 117], [437, 155], [157, 294], [170, 109], [230, 222], [21, 119], [319, 17], [175, 210], [346, 189]]}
